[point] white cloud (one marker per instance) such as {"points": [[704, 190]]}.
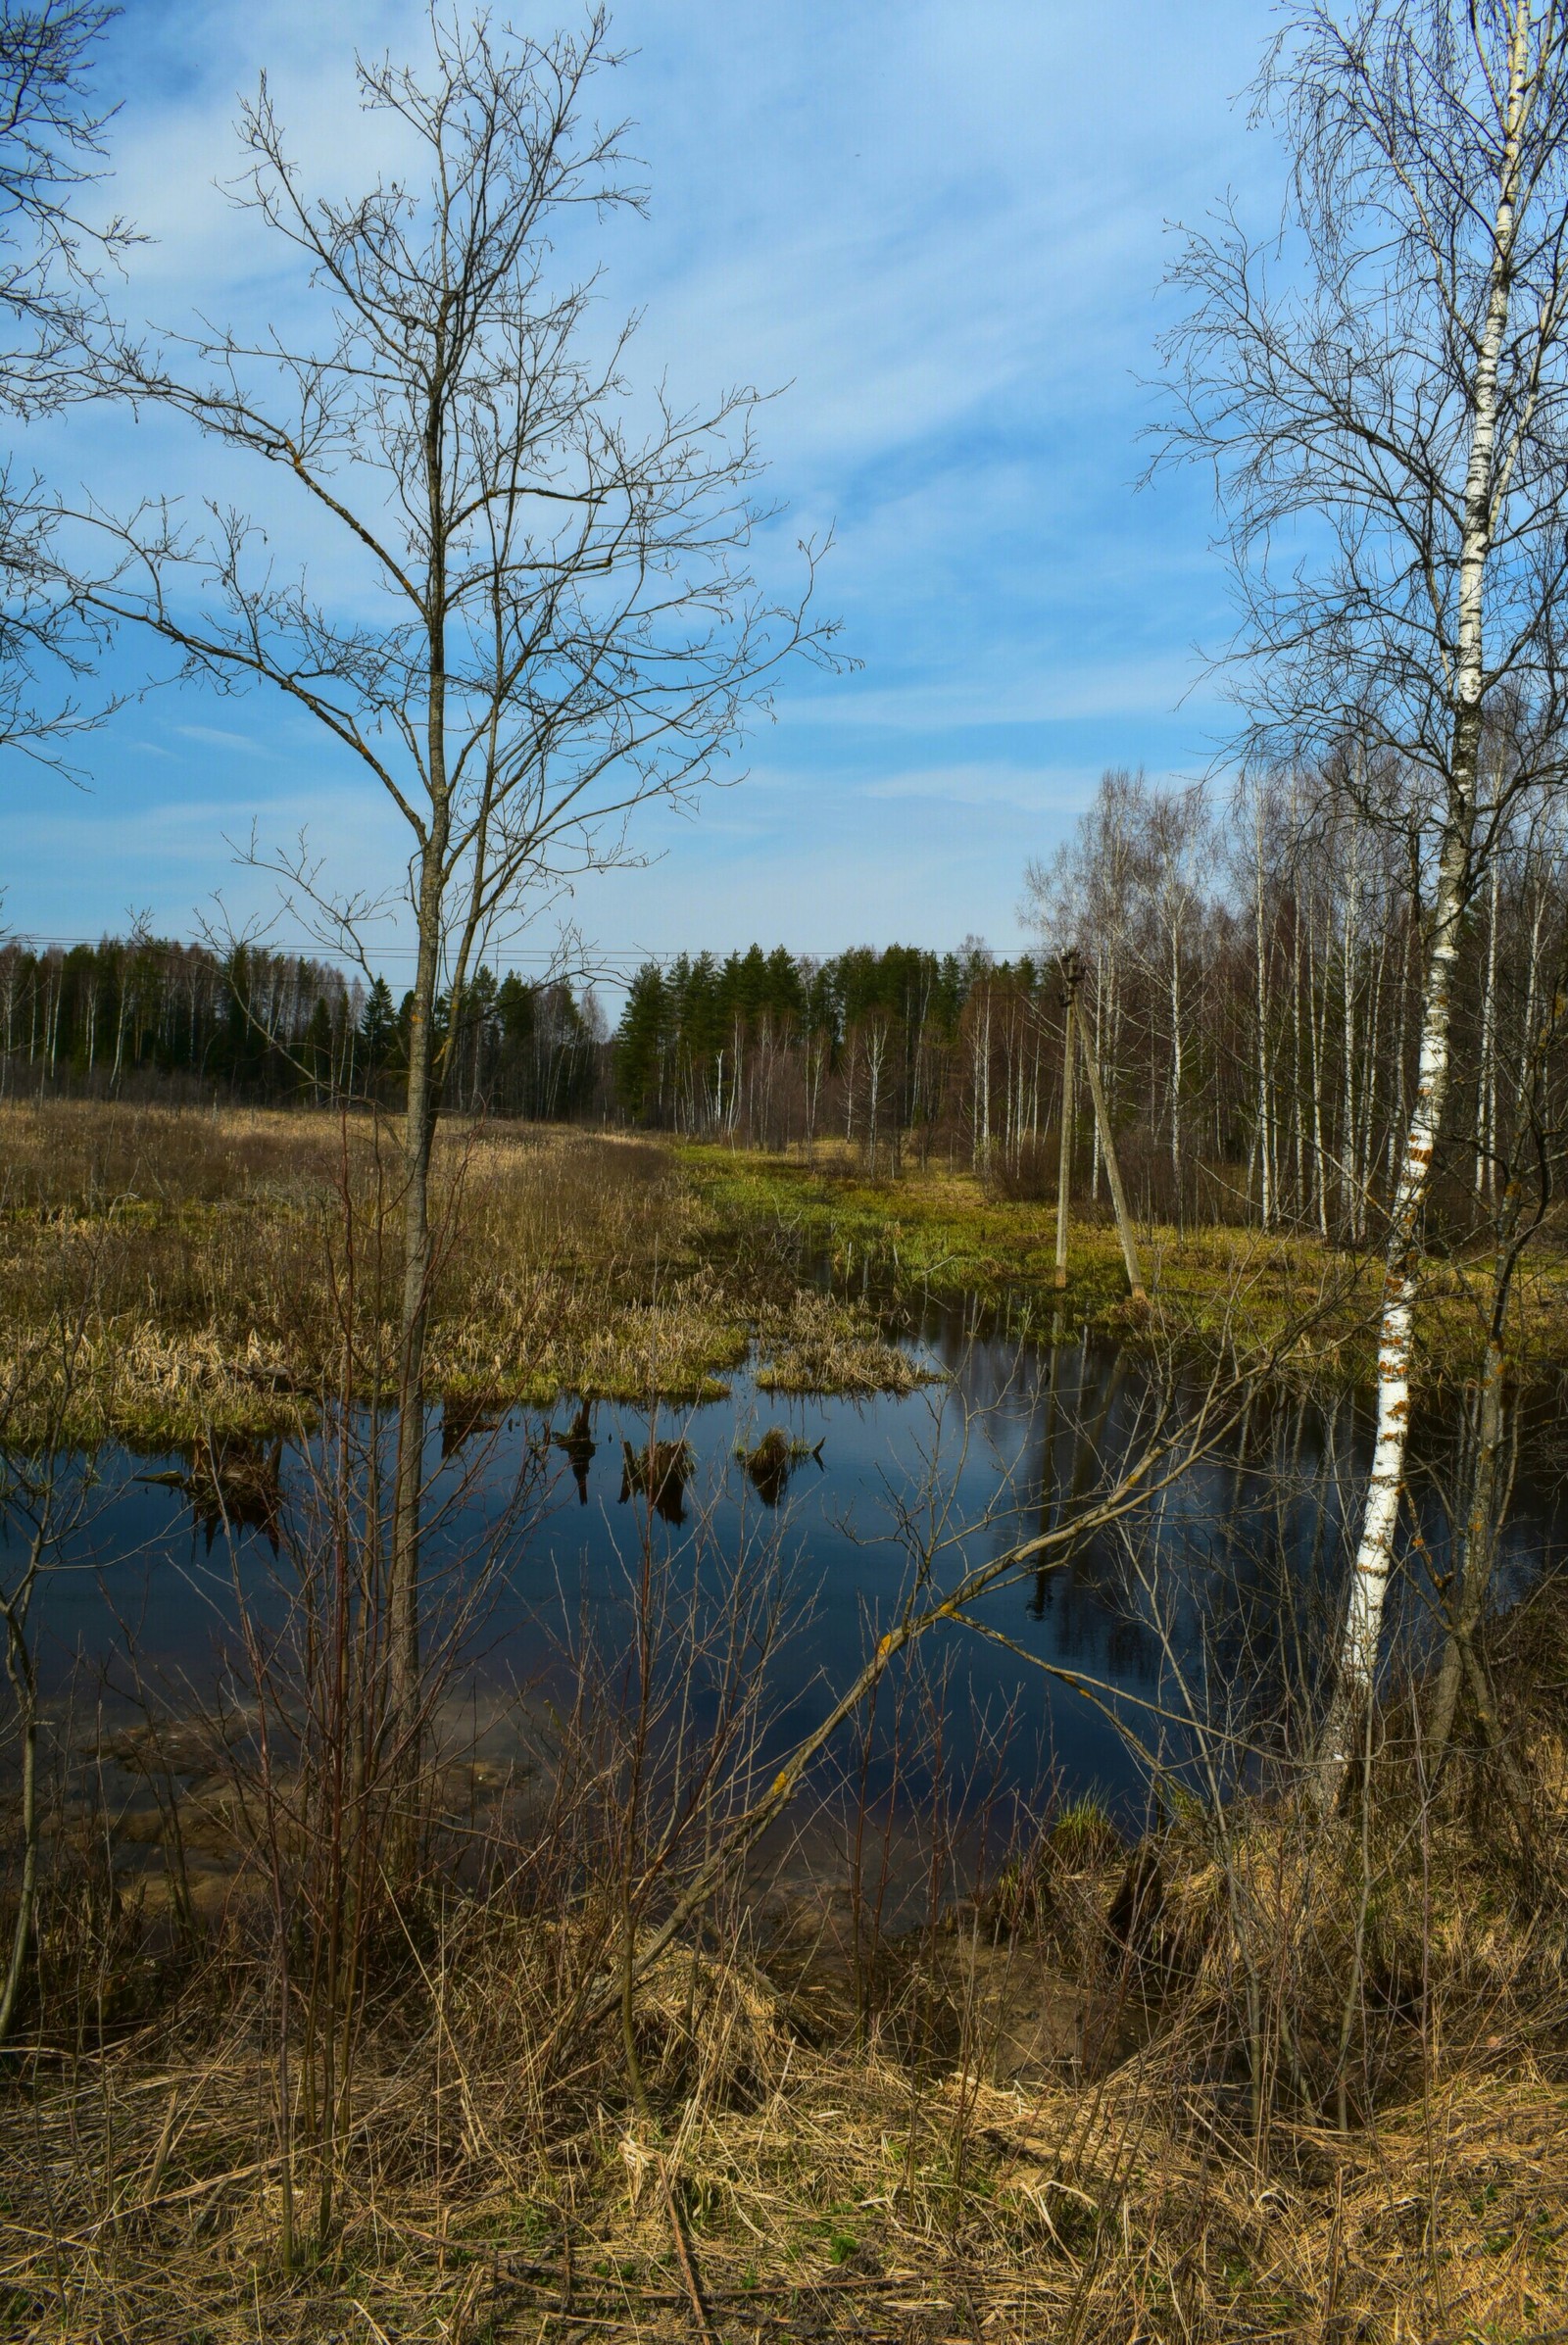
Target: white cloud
{"points": [[1111, 690], [942, 227], [216, 737], [1028, 790]]}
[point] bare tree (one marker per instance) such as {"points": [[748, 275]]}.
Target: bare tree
{"points": [[51, 153], [554, 620], [1381, 394]]}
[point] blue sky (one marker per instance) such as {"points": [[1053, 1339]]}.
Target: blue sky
{"points": [[942, 229]]}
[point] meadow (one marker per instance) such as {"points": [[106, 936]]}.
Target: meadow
{"points": [[175, 1276]]}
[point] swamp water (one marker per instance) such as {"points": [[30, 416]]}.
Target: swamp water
{"points": [[1213, 1602]]}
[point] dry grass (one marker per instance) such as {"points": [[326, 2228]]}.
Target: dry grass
{"points": [[1264, 2077], [188, 1272], [185, 1272], [1044, 2121], [829, 2189]]}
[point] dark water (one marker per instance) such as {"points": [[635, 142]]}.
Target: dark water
{"points": [[1212, 1603]]}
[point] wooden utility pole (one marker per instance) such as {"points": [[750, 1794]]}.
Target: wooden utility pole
{"points": [[1065, 1164], [1072, 970]]}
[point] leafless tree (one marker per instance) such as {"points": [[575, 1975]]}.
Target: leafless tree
{"points": [[554, 619], [1380, 392], [52, 150]]}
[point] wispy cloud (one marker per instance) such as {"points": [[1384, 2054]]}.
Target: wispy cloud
{"points": [[1028, 790], [942, 229], [216, 737]]}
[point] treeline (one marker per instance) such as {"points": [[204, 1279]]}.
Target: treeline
{"points": [[1252, 995], [150, 1016], [890, 1048]]}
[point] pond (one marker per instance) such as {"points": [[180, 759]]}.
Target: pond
{"points": [[1212, 1603]]}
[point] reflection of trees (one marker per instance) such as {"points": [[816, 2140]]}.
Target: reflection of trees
{"points": [[1223, 1591]]}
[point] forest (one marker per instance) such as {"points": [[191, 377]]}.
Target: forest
{"points": [[1253, 1001], [1254, 973], [144, 1017]]}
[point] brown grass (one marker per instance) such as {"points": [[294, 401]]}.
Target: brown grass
{"points": [[829, 2189], [187, 1269], [1042, 2123], [1263, 2077]]}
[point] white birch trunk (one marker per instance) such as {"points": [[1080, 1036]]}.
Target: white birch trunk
{"points": [[1350, 941], [1361, 1635], [1176, 1062], [1317, 1011], [1369, 1087]]}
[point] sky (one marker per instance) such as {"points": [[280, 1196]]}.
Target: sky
{"points": [[937, 228]]}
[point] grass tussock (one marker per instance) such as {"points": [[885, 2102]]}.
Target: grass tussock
{"points": [[815, 1344], [1262, 2075], [172, 1275]]}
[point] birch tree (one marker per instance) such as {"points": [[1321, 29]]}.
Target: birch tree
{"points": [[543, 614], [1380, 392]]}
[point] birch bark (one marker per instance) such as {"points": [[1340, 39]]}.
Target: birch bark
{"points": [[1362, 1633]]}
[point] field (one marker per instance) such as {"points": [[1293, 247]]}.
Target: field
{"points": [[318, 2041], [171, 1277]]}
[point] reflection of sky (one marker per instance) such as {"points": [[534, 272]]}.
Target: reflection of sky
{"points": [[1215, 1599], [939, 232]]}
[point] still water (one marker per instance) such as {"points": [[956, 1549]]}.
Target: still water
{"points": [[1212, 1603]]}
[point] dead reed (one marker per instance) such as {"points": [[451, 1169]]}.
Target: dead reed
{"points": [[201, 1253], [1053, 2103]]}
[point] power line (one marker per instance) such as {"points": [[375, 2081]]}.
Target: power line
{"points": [[629, 956]]}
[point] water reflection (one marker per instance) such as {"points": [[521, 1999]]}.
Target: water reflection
{"points": [[231, 1485], [657, 1472], [1211, 1601], [773, 1459], [579, 1445]]}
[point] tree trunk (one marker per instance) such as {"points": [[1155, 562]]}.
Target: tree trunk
{"points": [[419, 1136], [1489, 1488], [1175, 983], [24, 1685], [1064, 1161], [1363, 1619], [1350, 954], [1265, 1119], [421, 1109], [1486, 1080], [1317, 1013], [1119, 1195], [1361, 1635], [1476, 1553]]}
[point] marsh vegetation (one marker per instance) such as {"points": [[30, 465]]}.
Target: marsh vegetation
{"points": [[853, 1877]]}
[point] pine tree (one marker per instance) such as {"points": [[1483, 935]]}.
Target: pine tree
{"points": [[640, 1040], [377, 1027]]}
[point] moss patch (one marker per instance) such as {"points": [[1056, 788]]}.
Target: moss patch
{"points": [[938, 1233]]}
